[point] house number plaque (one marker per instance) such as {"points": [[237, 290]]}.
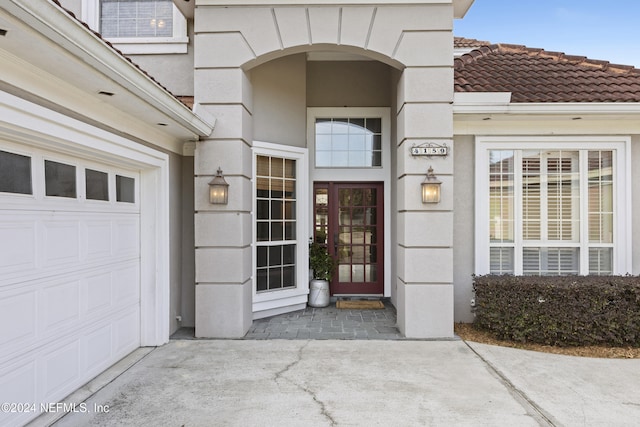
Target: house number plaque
{"points": [[430, 149]]}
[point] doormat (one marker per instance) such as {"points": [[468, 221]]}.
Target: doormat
{"points": [[359, 305]]}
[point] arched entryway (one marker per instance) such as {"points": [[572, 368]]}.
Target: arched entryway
{"points": [[259, 69]]}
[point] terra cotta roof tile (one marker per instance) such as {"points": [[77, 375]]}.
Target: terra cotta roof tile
{"points": [[461, 42], [536, 75]]}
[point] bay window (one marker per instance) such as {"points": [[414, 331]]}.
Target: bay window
{"points": [[551, 206]]}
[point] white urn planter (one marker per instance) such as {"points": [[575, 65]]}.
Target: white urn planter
{"points": [[319, 293]]}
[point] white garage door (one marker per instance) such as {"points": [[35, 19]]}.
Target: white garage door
{"points": [[69, 272]]}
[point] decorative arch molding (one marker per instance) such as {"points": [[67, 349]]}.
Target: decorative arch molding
{"points": [[400, 36], [352, 52]]}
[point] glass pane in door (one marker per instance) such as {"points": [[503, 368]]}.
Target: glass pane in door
{"points": [[348, 219], [356, 239]]}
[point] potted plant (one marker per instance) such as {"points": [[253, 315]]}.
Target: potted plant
{"points": [[322, 264]]}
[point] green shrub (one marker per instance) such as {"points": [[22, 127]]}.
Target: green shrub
{"points": [[560, 311]]}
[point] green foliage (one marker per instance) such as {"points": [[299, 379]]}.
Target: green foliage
{"points": [[560, 311], [321, 262]]}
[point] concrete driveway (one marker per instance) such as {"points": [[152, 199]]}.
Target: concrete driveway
{"points": [[357, 383]]}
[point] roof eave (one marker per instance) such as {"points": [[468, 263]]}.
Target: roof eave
{"points": [[545, 108], [461, 7], [55, 23]]}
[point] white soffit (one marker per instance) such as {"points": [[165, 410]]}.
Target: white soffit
{"points": [[335, 56], [461, 7], [186, 7]]}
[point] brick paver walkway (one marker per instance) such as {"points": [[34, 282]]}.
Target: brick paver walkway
{"points": [[328, 323]]}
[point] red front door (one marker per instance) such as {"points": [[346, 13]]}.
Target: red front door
{"points": [[348, 219]]}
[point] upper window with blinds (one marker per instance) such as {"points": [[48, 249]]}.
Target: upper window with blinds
{"points": [[136, 18], [138, 26], [550, 212]]}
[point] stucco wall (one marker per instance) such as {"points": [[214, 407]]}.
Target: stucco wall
{"points": [[348, 84], [73, 6], [175, 227], [279, 104], [173, 71], [283, 88], [463, 226], [188, 264]]}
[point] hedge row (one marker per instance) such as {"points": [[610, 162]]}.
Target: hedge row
{"points": [[560, 311]]}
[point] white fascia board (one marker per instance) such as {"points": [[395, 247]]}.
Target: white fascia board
{"points": [[481, 99], [54, 23], [544, 108]]}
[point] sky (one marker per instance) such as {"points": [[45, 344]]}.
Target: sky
{"points": [[598, 29]]}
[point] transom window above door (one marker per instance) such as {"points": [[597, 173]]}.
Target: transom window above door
{"points": [[348, 142]]}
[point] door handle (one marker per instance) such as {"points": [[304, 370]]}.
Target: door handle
{"points": [[335, 243]]}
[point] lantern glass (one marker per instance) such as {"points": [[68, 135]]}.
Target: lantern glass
{"points": [[218, 190], [431, 188]]}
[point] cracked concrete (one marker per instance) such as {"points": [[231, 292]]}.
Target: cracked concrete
{"points": [[312, 394], [361, 383]]}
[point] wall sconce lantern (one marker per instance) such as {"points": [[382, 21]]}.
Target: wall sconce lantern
{"points": [[431, 188], [218, 189]]}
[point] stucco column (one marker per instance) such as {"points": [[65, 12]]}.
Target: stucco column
{"points": [[223, 232], [425, 232]]}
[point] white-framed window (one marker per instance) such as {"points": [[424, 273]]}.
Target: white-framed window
{"points": [[350, 142], [552, 205], [138, 26], [280, 243]]}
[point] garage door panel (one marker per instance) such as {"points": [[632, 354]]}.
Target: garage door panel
{"points": [[17, 318], [61, 242], [66, 246], [127, 332], [49, 370], [125, 283], [40, 312], [97, 349], [99, 241], [127, 236], [18, 384], [60, 305], [98, 292], [17, 245], [60, 370]]}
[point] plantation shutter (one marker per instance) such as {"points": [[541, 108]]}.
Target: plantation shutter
{"points": [[548, 238]]}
